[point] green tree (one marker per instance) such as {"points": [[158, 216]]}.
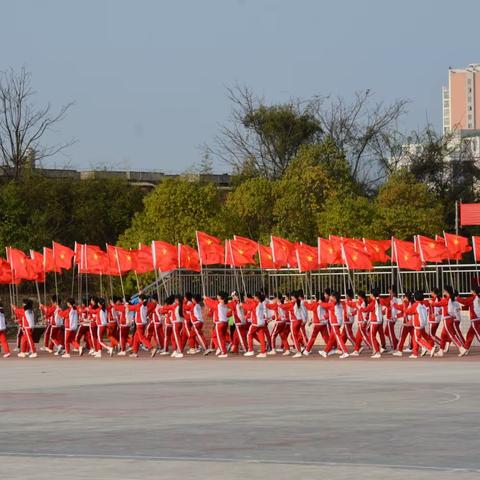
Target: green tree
{"points": [[405, 207], [173, 211]]}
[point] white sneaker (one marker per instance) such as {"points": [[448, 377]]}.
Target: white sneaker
{"points": [[208, 351], [447, 347], [272, 352], [191, 351], [248, 354], [92, 351], [297, 355], [21, 354], [354, 354], [382, 350], [361, 350], [122, 353], [134, 355], [440, 353], [413, 356], [424, 352], [218, 351], [179, 355], [33, 355], [110, 351], [323, 353], [332, 352], [262, 355], [432, 351], [80, 351], [66, 355], [407, 350], [344, 355], [397, 353], [463, 351], [98, 354], [286, 353], [49, 350], [376, 355], [306, 353], [43, 349], [153, 352], [164, 353], [6, 355], [174, 354]]}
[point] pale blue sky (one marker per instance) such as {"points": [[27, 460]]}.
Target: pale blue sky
{"points": [[149, 77]]}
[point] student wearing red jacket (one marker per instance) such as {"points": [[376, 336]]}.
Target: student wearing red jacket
{"points": [[240, 334], [336, 315], [392, 315], [56, 332], [83, 330], [375, 317], [319, 322], [473, 304], [155, 327], [349, 320], [187, 322], [256, 307], [141, 320], [123, 323], [70, 316], [221, 312], [449, 314], [363, 333], [282, 325], [174, 310], [298, 316], [419, 312], [3, 334], [26, 319], [197, 322], [407, 325], [435, 316]]}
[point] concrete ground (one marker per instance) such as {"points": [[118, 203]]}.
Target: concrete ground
{"points": [[281, 418]]}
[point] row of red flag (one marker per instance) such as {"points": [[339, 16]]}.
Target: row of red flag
{"points": [[354, 253]]}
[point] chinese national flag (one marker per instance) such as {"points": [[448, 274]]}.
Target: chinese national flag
{"points": [[5, 272], [37, 265], [377, 249], [210, 249], [48, 261], [142, 259], [283, 252], [21, 265], [307, 257], [62, 256], [121, 258], [328, 252], [165, 255], [188, 258], [355, 258], [405, 256], [240, 253], [456, 245], [265, 257], [431, 250], [92, 259], [476, 247]]}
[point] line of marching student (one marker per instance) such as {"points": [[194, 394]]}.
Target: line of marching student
{"points": [[417, 324]]}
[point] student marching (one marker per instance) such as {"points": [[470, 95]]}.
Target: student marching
{"points": [[253, 325]]}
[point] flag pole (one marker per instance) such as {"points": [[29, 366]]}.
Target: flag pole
{"points": [[119, 272], [422, 258], [448, 258], [395, 254], [154, 257], [201, 264]]}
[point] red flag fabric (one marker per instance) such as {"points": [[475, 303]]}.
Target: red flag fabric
{"points": [[239, 253], [430, 249], [377, 249], [188, 258], [356, 259], [142, 260], [165, 255], [62, 256], [21, 265], [92, 259], [405, 256], [5, 272], [470, 213], [36, 261], [456, 245], [307, 257], [328, 252], [210, 249], [283, 252], [121, 258], [265, 257], [247, 242], [476, 247], [49, 262]]}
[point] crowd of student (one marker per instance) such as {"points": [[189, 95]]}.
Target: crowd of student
{"points": [[417, 324]]}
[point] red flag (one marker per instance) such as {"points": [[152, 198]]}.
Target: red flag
{"points": [[283, 251], [307, 257], [188, 258], [476, 247], [430, 249], [247, 242], [62, 256], [144, 259], [120, 258], [48, 261], [5, 272], [265, 257], [456, 245], [377, 249], [20, 264], [210, 249], [328, 253], [165, 256], [470, 213], [405, 256], [355, 258], [37, 265], [238, 253], [92, 259]]}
